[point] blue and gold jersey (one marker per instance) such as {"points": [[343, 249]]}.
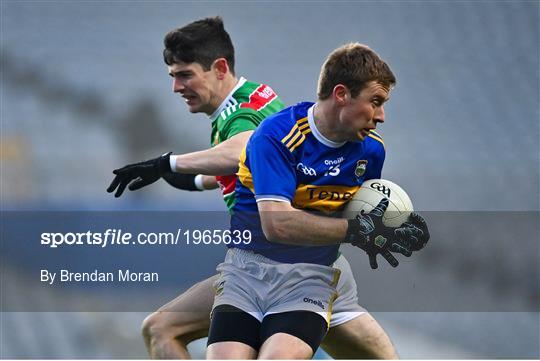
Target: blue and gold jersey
{"points": [[287, 159]]}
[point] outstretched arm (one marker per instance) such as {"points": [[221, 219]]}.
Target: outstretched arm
{"points": [[190, 182], [219, 160]]}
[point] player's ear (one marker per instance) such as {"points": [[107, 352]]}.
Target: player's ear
{"points": [[220, 67], [341, 94]]}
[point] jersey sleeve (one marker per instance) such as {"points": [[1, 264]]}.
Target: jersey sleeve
{"points": [[238, 123], [272, 168]]}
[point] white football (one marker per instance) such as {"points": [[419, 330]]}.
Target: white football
{"points": [[372, 192]]}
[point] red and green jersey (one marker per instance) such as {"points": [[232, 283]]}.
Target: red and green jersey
{"points": [[247, 105]]}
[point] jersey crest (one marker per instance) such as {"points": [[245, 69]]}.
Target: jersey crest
{"points": [[361, 167]]}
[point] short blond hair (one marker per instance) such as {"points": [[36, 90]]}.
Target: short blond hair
{"points": [[353, 65]]}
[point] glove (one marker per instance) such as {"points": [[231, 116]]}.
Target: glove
{"points": [[368, 232], [142, 174], [181, 181], [418, 240]]}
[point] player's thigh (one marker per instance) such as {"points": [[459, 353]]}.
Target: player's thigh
{"points": [[346, 306], [234, 334], [361, 337], [190, 311], [198, 298], [292, 335]]}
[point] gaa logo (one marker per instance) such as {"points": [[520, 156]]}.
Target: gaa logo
{"points": [[381, 188], [306, 170]]}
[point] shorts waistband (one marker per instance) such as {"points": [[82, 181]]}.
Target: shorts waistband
{"points": [[247, 255]]}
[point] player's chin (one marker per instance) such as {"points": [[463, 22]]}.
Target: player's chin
{"points": [[194, 105], [194, 108]]}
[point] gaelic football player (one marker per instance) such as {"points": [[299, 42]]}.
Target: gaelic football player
{"points": [[276, 294]]}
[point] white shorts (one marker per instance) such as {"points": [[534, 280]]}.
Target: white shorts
{"points": [[346, 306], [261, 286]]}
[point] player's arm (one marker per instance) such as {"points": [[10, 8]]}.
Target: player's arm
{"points": [[209, 182], [190, 182], [282, 223], [219, 160]]}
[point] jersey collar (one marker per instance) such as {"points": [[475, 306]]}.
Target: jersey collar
{"points": [[321, 138], [229, 100]]}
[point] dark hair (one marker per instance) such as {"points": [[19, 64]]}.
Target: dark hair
{"points": [[353, 65], [202, 41]]}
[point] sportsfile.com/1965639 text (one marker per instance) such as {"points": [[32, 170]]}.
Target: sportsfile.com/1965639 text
{"points": [[119, 237]]}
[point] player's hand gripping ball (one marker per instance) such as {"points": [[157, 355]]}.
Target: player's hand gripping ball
{"points": [[371, 192], [390, 225]]}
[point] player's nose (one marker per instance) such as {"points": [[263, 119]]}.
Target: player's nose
{"points": [[378, 117], [178, 86]]}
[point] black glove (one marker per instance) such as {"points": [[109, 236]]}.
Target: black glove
{"points": [[142, 174], [368, 232], [418, 240], [181, 181]]}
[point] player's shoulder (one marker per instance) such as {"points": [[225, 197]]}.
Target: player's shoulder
{"points": [[287, 124], [250, 89], [250, 100], [374, 143], [258, 97]]}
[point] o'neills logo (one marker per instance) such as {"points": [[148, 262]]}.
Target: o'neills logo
{"points": [[361, 166], [313, 302]]}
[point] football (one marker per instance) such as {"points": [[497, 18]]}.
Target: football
{"points": [[372, 192]]}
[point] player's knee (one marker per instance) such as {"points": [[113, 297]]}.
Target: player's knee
{"points": [[304, 353], [284, 346], [149, 327], [155, 326], [183, 327], [359, 338], [296, 354]]}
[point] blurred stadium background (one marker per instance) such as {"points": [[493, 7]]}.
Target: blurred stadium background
{"points": [[85, 90]]}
